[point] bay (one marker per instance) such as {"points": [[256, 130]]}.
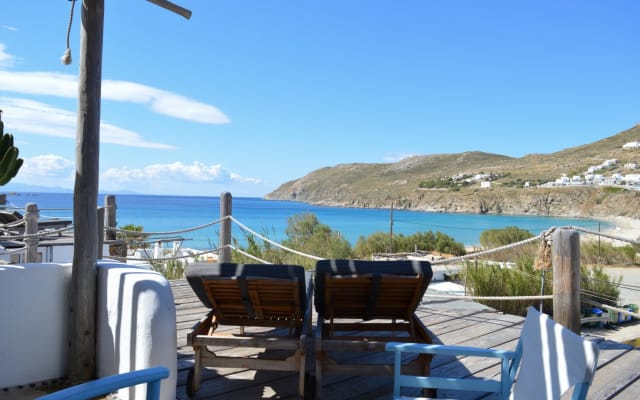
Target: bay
{"points": [[270, 217]]}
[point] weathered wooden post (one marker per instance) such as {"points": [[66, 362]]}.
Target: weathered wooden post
{"points": [[110, 216], [565, 256], [82, 338], [224, 252], [31, 217]]}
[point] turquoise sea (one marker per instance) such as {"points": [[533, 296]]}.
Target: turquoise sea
{"points": [[171, 213]]}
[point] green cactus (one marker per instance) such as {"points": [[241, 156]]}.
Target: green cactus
{"points": [[9, 161]]}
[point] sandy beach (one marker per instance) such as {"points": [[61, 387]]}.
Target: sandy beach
{"points": [[624, 228]]}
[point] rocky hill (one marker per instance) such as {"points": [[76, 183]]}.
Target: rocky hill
{"points": [[403, 183]]}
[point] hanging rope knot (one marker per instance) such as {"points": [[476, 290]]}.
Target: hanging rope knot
{"points": [[543, 257], [66, 57]]}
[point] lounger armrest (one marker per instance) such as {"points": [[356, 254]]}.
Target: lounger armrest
{"points": [[450, 350], [110, 384]]}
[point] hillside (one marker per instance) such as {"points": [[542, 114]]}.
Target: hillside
{"points": [[380, 185]]}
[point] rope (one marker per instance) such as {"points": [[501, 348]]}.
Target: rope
{"points": [[66, 57], [266, 239], [167, 232], [596, 233], [455, 296], [489, 251], [251, 256], [42, 233]]}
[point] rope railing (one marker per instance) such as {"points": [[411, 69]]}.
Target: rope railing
{"points": [[266, 239], [164, 233], [489, 251]]}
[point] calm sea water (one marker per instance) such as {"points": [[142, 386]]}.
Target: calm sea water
{"points": [[171, 213]]}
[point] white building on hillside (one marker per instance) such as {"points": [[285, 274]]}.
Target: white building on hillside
{"points": [[631, 145]]}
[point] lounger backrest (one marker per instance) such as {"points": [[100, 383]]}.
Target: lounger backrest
{"points": [[250, 291], [370, 289]]}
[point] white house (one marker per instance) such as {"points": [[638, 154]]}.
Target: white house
{"points": [[485, 184], [609, 163], [576, 180], [631, 145], [631, 165]]}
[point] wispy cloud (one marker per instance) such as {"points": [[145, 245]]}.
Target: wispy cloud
{"points": [[6, 59], [34, 117], [65, 85], [47, 166], [9, 28], [195, 172]]}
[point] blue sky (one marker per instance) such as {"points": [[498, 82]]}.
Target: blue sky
{"points": [[247, 95]]}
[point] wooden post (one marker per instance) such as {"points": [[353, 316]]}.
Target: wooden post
{"points": [[565, 253], [110, 216], [224, 253], [82, 338], [31, 217]]}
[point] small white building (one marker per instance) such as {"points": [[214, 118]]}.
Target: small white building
{"points": [[577, 180], [563, 180], [485, 184], [631, 145], [631, 166]]}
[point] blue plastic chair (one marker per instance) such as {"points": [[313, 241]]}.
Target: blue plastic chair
{"points": [[549, 359], [151, 376]]}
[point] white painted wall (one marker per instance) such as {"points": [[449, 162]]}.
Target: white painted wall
{"points": [[33, 322], [136, 324]]}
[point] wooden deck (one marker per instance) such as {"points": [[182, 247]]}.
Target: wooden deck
{"points": [[617, 377]]}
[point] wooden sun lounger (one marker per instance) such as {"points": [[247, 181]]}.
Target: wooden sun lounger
{"points": [[375, 299], [251, 295]]}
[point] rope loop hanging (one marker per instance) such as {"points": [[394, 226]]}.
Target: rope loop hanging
{"points": [[66, 57]]}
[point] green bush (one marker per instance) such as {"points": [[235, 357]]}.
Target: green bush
{"points": [[305, 234], [492, 238], [423, 241], [605, 253], [492, 279]]}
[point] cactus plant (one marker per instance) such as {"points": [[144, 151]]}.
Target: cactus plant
{"points": [[9, 161]]}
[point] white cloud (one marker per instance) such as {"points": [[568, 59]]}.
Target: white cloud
{"points": [[9, 28], [33, 117], [195, 172], [65, 85], [47, 166], [6, 59]]}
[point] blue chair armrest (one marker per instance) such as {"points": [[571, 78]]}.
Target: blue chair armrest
{"points": [[109, 384]]}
